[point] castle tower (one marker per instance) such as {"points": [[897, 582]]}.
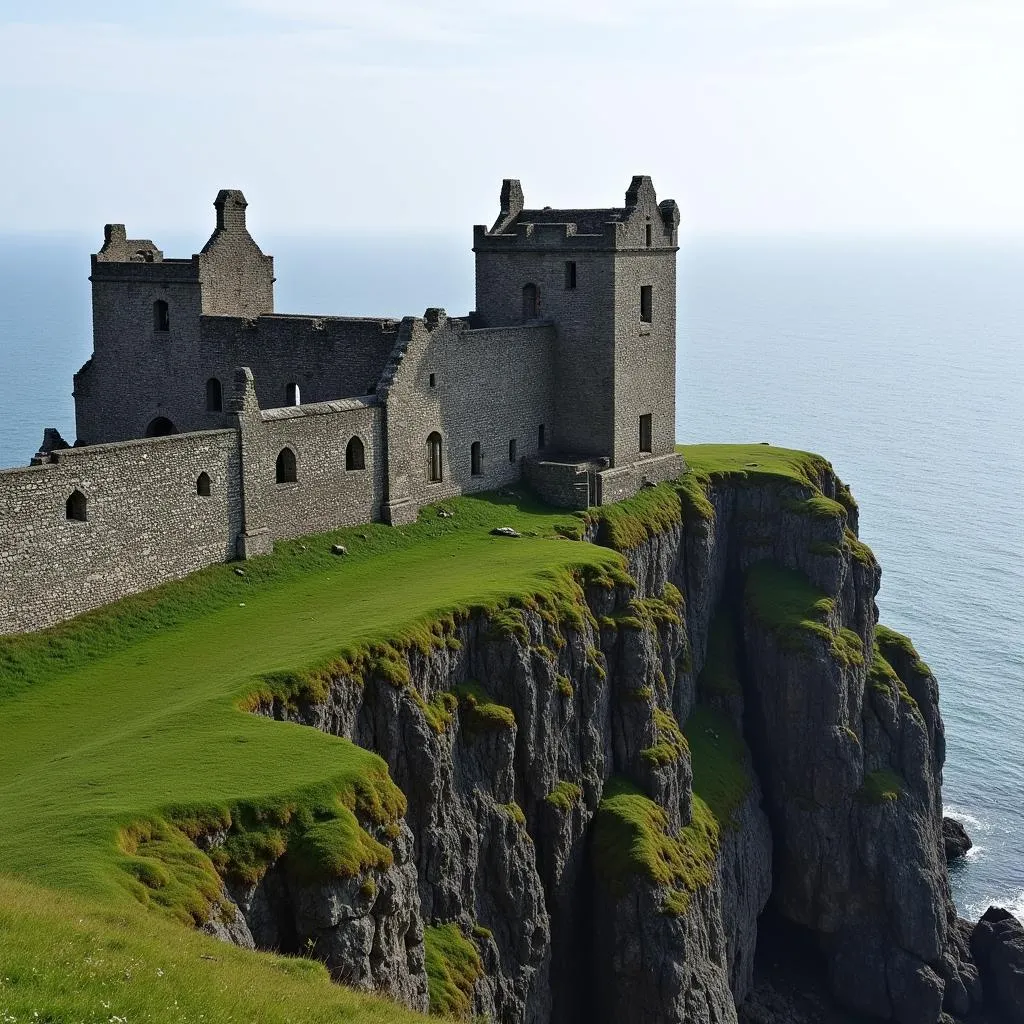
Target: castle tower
{"points": [[607, 279], [146, 323]]}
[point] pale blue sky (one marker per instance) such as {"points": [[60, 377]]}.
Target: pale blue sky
{"points": [[756, 115]]}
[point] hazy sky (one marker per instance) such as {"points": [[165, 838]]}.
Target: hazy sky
{"points": [[756, 115]]}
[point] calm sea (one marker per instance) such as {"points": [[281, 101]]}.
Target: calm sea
{"points": [[903, 362]]}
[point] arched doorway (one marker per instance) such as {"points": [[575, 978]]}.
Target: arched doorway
{"points": [[160, 427]]}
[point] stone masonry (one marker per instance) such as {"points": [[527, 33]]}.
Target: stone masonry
{"points": [[210, 426]]}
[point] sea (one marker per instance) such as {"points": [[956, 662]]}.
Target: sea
{"points": [[901, 360]]}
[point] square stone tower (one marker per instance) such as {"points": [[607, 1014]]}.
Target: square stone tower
{"points": [[606, 278]]}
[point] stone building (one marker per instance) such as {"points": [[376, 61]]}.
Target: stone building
{"points": [[209, 425]]}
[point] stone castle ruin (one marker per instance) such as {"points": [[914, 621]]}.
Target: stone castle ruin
{"points": [[210, 426]]}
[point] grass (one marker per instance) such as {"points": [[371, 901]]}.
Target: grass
{"points": [[671, 745], [479, 712], [720, 675], [631, 838], [755, 463], [883, 678], [565, 796], [717, 757], [66, 959], [881, 787], [123, 733], [899, 648], [453, 967]]}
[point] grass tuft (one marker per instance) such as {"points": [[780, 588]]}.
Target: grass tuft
{"points": [[453, 967]]}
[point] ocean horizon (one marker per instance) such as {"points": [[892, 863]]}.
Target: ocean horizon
{"points": [[900, 360]]}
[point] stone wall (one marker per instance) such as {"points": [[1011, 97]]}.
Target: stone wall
{"points": [[325, 494], [491, 387], [145, 524]]}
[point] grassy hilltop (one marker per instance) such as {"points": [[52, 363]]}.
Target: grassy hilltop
{"points": [[123, 729]]}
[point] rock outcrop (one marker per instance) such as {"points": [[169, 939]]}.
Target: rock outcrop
{"points": [[607, 786], [955, 839], [997, 943]]}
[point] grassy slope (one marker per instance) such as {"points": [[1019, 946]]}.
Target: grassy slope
{"points": [[132, 710]]}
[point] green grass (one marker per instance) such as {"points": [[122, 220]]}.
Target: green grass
{"points": [[565, 796], [881, 787], [631, 838], [717, 756], [123, 733], [885, 679], [755, 463], [720, 675], [670, 745], [66, 959], [453, 967], [897, 647], [480, 712]]}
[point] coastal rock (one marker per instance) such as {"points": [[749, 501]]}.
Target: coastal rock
{"points": [[955, 839], [511, 736], [997, 943]]}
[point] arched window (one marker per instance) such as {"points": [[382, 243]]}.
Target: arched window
{"points": [[529, 301], [355, 454], [203, 485], [161, 316], [160, 427], [76, 507], [214, 396], [292, 395], [474, 459], [286, 467], [434, 464]]}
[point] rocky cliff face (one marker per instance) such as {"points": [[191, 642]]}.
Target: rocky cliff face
{"points": [[604, 794]]}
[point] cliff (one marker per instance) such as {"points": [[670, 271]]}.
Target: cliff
{"points": [[608, 788]]}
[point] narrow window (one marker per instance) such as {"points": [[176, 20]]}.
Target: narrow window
{"points": [[512, 450], [214, 396], [76, 507], [433, 380], [646, 303], [355, 455], [292, 395], [203, 485], [645, 433], [161, 316], [570, 274], [647, 235], [434, 467], [540, 436], [529, 301], [160, 427], [286, 467], [474, 459]]}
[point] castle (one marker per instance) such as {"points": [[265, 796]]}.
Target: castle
{"points": [[210, 426]]}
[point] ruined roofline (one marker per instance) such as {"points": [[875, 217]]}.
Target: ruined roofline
{"points": [[230, 206]]}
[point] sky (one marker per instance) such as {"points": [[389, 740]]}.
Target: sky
{"points": [[757, 116]]}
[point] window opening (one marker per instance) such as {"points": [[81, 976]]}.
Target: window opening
{"points": [[292, 395], [647, 235], [540, 436], [355, 454], [203, 485], [645, 433], [286, 470], [646, 303], [77, 507], [474, 459], [433, 380], [570, 274], [214, 396], [434, 466], [529, 301], [161, 316], [512, 450]]}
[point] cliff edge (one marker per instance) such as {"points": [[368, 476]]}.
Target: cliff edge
{"points": [[608, 789]]}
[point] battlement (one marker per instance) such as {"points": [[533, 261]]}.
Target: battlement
{"points": [[642, 223]]}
